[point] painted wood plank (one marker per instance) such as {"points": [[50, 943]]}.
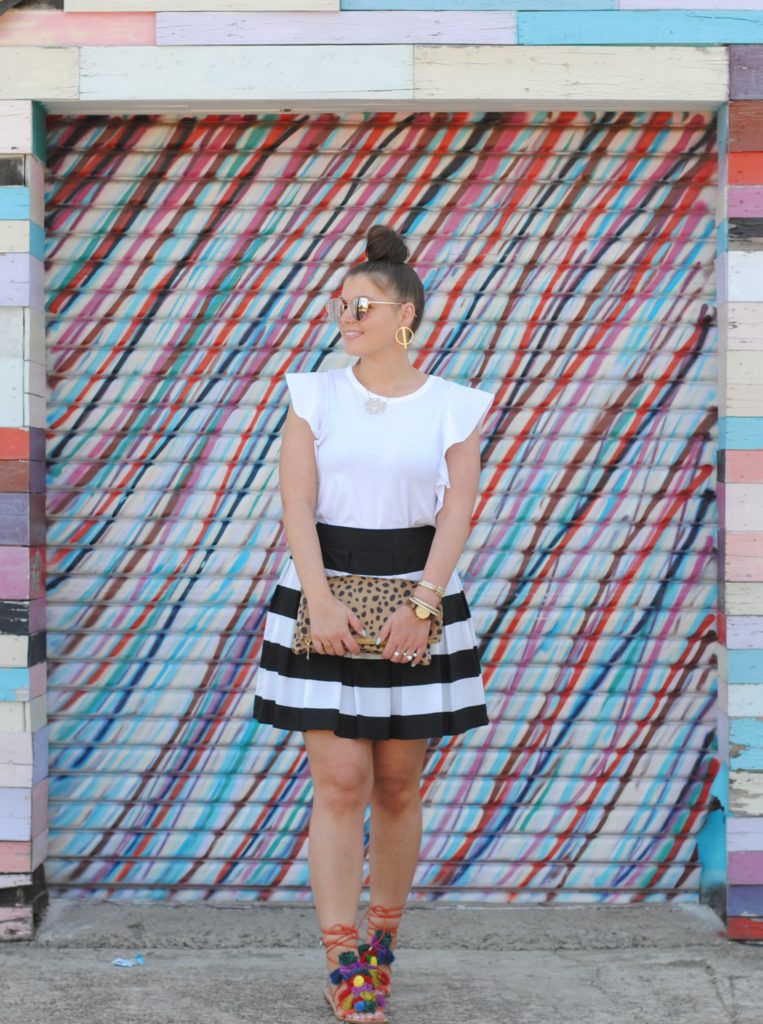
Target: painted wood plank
{"points": [[60, 28], [744, 368], [746, 792], [744, 598], [745, 701], [742, 275], [744, 833], [22, 236], [745, 201], [15, 202], [342, 28], [746, 168], [718, 6], [745, 868], [744, 233], [16, 126], [260, 74], [743, 506], [21, 280], [14, 856], [744, 899], [482, 5], [745, 666], [745, 467], [740, 432], [34, 170], [746, 71], [16, 924], [744, 560], [741, 325], [21, 572], [15, 813], [638, 28], [27, 76], [740, 400], [483, 76], [744, 119], [201, 5], [745, 631], [746, 744], [744, 928]]}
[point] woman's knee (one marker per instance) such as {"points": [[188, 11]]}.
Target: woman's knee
{"points": [[396, 793]]}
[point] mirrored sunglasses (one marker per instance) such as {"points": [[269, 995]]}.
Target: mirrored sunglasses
{"points": [[358, 307]]}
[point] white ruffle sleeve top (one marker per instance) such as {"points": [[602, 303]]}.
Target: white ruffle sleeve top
{"points": [[385, 470]]}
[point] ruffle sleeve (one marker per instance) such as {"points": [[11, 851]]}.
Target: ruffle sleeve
{"points": [[308, 398], [462, 412]]}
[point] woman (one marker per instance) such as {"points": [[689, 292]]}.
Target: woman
{"points": [[379, 471]]}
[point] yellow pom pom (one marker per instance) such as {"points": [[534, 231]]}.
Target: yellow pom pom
{"points": [[358, 981], [374, 962]]}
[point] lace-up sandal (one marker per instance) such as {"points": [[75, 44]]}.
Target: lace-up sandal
{"points": [[383, 925], [354, 997]]}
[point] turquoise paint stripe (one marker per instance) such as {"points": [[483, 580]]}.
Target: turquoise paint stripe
{"points": [[740, 432], [478, 5], [14, 202], [748, 734], [37, 241], [723, 128], [633, 28], [745, 666]]}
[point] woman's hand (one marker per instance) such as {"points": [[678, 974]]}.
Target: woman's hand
{"points": [[331, 626], [404, 634]]}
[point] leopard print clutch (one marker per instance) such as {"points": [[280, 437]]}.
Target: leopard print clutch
{"points": [[373, 600]]}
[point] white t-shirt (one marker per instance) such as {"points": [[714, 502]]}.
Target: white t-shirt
{"points": [[388, 470]]}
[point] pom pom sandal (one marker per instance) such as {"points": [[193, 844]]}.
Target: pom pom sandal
{"points": [[383, 926], [354, 997]]}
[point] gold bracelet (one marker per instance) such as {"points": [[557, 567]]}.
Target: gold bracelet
{"points": [[437, 612], [440, 591]]}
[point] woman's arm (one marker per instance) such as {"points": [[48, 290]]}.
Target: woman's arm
{"points": [[403, 631], [330, 619]]}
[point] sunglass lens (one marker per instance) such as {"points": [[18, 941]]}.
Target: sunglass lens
{"points": [[334, 310], [359, 307]]}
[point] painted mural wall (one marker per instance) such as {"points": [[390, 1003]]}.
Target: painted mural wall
{"points": [[568, 258]]}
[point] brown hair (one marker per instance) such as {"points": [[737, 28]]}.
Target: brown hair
{"points": [[386, 255]]}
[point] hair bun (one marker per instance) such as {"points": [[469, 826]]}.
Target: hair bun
{"points": [[385, 244]]}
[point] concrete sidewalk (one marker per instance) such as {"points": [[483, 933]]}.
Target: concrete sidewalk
{"points": [[230, 964]]}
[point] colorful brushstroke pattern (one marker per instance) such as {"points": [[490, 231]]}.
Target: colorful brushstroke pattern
{"points": [[569, 263]]}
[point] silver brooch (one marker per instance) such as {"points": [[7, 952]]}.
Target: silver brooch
{"points": [[375, 405]]}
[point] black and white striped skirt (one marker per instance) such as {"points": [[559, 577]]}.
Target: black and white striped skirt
{"points": [[364, 696]]}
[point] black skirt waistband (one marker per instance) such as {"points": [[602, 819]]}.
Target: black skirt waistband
{"points": [[375, 552]]}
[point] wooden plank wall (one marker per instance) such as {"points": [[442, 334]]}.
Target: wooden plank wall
{"points": [[23, 720], [446, 53], [740, 487]]}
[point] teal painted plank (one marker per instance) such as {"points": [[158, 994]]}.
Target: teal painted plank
{"points": [[746, 733], [634, 28], [14, 202], [744, 433], [745, 666], [722, 237], [39, 131], [722, 128], [37, 241], [478, 5]]}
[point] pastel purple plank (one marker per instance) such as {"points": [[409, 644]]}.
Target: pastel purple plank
{"points": [[351, 27], [746, 72]]}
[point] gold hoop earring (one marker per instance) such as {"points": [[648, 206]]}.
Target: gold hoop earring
{"points": [[407, 336]]}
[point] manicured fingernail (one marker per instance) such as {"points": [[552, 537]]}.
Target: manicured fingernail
{"points": [[378, 640], [364, 633]]}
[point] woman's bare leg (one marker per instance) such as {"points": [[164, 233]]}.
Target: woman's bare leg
{"points": [[395, 820], [342, 774]]}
